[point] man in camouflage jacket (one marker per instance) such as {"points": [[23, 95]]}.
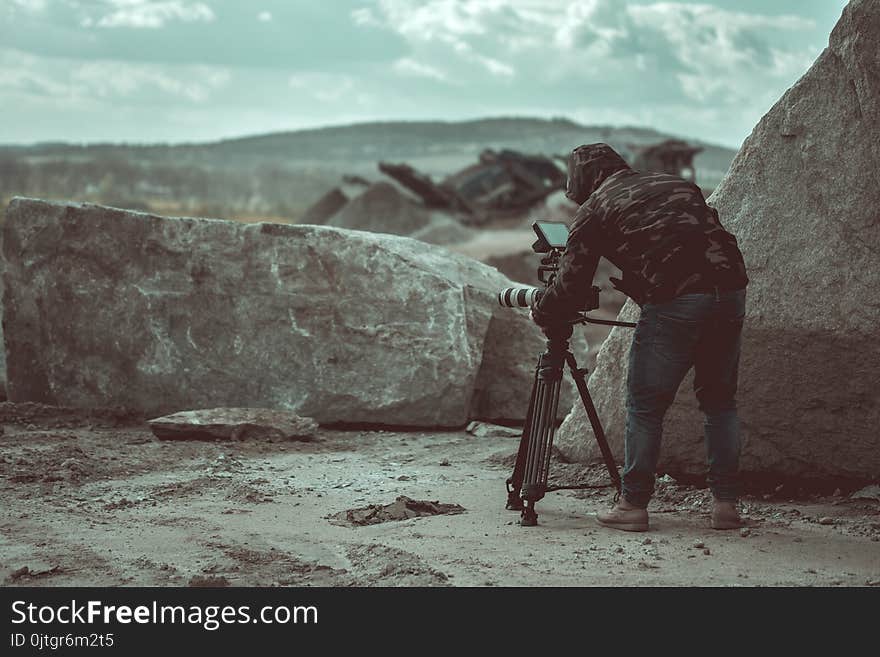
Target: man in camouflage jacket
{"points": [[687, 274]]}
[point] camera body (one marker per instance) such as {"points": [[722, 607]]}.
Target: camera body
{"points": [[552, 239]]}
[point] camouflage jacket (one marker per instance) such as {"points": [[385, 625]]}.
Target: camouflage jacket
{"points": [[656, 228]]}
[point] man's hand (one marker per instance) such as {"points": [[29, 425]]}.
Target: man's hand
{"points": [[552, 329], [539, 318]]}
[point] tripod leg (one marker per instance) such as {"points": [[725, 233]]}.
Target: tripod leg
{"points": [[541, 427], [578, 376], [514, 483]]}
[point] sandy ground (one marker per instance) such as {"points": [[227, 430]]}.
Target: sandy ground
{"points": [[95, 499]]}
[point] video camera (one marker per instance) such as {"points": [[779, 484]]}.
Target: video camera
{"points": [[528, 483], [552, 240]]}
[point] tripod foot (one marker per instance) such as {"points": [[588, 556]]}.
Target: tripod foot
{"points": [[514, 501], [529, 517]]}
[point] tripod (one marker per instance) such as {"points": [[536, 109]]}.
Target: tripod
{"points": [[528, 483]]}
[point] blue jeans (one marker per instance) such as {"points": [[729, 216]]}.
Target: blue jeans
{"points": [[694, 330]]}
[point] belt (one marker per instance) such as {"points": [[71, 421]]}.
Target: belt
{"points": [[712, 289]]}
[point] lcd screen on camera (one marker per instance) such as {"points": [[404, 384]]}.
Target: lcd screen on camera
{"points": [[554, 233]]}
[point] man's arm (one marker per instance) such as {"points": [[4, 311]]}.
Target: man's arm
{"points": [[577, 266]]}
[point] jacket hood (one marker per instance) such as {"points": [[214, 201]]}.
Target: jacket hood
{"points": [[588, 167]]}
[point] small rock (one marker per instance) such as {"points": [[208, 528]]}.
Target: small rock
{"points": [[826, 520], [209, 582], [798, 539], [485, 430], [445, 462], [706, 551], [21, 572], [647, 541], [867, 493], [234, 424], [745, 531], [699, 544]]}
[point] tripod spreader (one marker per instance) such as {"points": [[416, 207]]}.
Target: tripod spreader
{"points": [[528, 483], [583, 319]]}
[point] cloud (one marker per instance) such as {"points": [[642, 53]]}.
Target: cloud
{"points": [[111, 81], [31, 5], [115, 80], [11, 9], [434, 19], [471, 32], [149, 14], [299, 36], [711, 43], [410, 67], [328, 89], [30, 83], [364, 16], [495, 67], [665, 56], [689, 35]]}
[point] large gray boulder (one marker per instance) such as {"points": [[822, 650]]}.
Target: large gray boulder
{"points": [[802, 196], [106, 307]]}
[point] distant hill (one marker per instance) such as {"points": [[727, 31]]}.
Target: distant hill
{"points": [[368, 142], [282, 173]]}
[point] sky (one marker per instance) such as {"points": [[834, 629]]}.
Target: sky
{"points": [[170, 71]]}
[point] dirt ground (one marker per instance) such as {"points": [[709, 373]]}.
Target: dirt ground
{"points": [[94, 499]]}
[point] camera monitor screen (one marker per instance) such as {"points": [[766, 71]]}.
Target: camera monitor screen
{"points": [[554, 233]]}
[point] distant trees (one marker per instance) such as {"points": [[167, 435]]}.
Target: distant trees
{"points": [[14, 174], [262, 189]]}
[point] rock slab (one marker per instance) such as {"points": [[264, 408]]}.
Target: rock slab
{"points": [[233, 424]]}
